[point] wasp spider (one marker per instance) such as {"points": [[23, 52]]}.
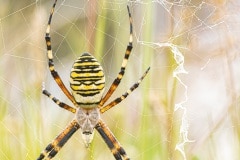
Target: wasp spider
{"points": [[87, 83]]}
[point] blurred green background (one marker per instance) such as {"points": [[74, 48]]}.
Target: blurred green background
{"points": [[200, 38]]}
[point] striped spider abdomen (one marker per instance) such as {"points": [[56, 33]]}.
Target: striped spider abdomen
{"points": [[87, 81]]}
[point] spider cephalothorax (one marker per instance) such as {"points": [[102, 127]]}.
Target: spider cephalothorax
{"points": [[87, 120]]}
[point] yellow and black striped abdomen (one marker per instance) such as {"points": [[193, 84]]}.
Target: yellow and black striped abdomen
{"points": [[87, 81]]}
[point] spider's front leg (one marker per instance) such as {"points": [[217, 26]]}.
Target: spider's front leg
{"points": [[111, 141], [52, 149]]}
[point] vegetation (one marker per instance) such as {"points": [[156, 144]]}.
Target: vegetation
{"points": [[147, 123]]}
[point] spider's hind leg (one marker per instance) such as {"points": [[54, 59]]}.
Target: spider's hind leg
{"points": [[53, 72], [118, 79]]}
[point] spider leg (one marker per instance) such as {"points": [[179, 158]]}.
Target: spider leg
{"points": [[129, 91], [52, 149], [50, 59], [59, 103], [117, 81], [115, 147]]}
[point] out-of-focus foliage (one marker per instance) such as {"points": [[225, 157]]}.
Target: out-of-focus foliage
{"points": [[147, 123]]}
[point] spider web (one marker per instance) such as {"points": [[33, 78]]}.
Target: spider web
{"points": [[187, 107]]}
